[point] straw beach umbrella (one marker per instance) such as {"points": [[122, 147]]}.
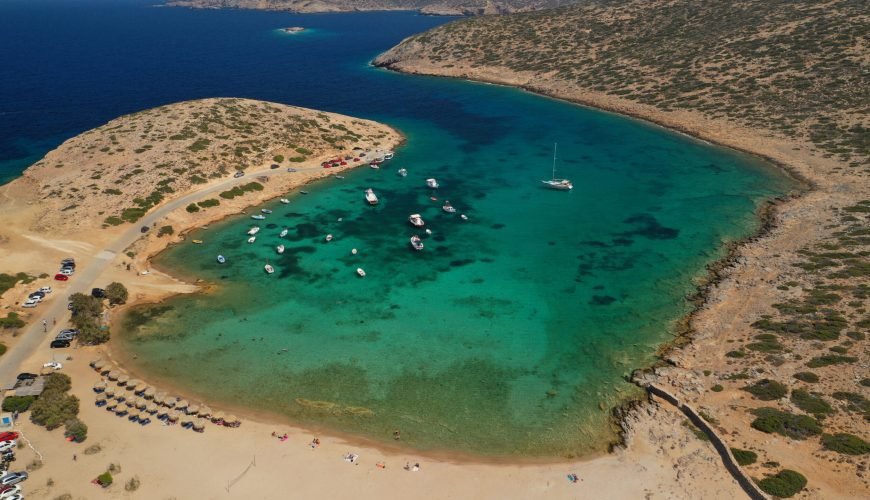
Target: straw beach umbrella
{"points": [[182, 404], [98, 364], [133, 384], [123, 379], [193, 409], [106, 369], [112, 405], [204, 411], [162, 410], [100, 386], [174, 415], [149, 392], [219, 417], [141, 403], [109, 391], [199, 425], [129, 403], [151, 408], [114, 374], [186, 419], [134, 414], [170, 402], [101, 397], [121, 395], [232, 421], [160, 398]]}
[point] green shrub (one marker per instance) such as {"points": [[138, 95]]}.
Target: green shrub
{"points": [[117, 293], [855, 402], [771, 420], [808, 377], [12, 320], [767, 390], [847, 444], [810, 403], [132, 214], [76, 429], [784, 484], [717, 388], [8, 281], [830, 359], [2, 348], [278, 158], [192, 208], [52, 409], [113, 220], [211, 202], [18, 403], [735, 354], [744, 457], [165, 230]]}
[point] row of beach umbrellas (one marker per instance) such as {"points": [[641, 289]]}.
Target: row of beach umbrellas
{"points": [[133, 393]]}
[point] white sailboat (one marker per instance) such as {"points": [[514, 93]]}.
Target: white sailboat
{"points": [[554, 183]]}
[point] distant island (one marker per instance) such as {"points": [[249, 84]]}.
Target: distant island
{"points": [[293, 29], [428, 7]]}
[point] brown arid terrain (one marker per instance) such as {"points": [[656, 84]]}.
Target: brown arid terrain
{"points": [[429, 7], [776, 355]]}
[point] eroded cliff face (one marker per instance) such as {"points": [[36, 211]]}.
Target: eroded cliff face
{"points": [[430, 7]]}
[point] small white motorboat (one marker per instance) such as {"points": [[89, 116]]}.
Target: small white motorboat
{"points": [[221, 259], [448, 208], [284, 201], [328, 237], [252, 239], [269, 269], [432, 183], [258, 217], [388, 155], [353, 251], [403, 172], [416, 220], [339, 177], [254, 230], [463, 217], [370, 197], [429, 232], [374, 165], [416, 243], [280, 249], [283, 233], [265, 210], [361, 272]]}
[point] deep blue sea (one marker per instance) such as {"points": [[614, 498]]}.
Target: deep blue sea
{"points": [[510, 334]]}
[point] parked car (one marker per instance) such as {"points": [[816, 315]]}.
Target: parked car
{"points": [[144, 229], [9, 435], [13, 478], [69, 331], [238, 174], [61, 277], [59, 343], [45, 289], [26, 376], [98, 293], [291, 169], [274, 166], [30, 303], [53, 365], [11, 492], [69, 261], [7, 445], [67, 271], [37, 295]]}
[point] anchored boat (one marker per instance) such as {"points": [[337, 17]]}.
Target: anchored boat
{"points": [[280, 249], [370, 197], [448, 207], [416, 220], [254, 230], [416, 243], [221, 259], [432, 183], [554, 183]]}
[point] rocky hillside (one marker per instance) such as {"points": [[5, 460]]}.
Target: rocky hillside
{"points": [[433, 7], [118, 172], [797, 68]]}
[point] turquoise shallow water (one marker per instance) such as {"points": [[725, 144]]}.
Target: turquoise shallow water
{"points": [[505, 337], [511, 331]]}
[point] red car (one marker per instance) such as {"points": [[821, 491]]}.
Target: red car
{"points": [[61, 277], [8, 436]]}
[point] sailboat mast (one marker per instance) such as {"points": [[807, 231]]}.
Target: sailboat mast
{"points": [[555, 145]]}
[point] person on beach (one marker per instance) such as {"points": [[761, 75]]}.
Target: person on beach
{"points": [[397, 435], [381, 465], [45, 325]]}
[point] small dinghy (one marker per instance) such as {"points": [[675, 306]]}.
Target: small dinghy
{"points": [[353, 251], [258, 217], [370, 196], [280, 249], [269, 269], [283, 233], [450, 209], [403, 172], [328, 237], [252, 239], [197, 242], [429, 232], [254, 230], [284, 201], [361, 272], [416, 220], [265, 210], [432, 183], [221, 259], [416, 243], [463, 217]]}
